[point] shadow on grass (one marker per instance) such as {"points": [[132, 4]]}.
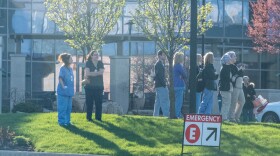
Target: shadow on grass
{"points": [[236, 145], [101, 141], [166, 133], [129, 135]]}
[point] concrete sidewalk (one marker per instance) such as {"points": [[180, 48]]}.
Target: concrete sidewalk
{"points": [[25, 153]]}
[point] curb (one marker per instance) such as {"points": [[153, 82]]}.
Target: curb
{"points": [[25, 153]]}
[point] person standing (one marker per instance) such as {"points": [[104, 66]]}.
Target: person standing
{"points": [[162, 94], [65, 90], [94, 90], [199, 89], [250, 95], [225, 85], [237, 96], [209, 76], [180, 81]]}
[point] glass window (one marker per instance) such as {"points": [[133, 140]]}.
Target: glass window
{"points": [[251, 59], [130, 8], [3, 47], [61, 47], [269, 61], [43, 50], [24, 4], [217, 17], [149, 47], [3, 3], [245, 12], [233, 18], [42, 76], [269, 79], [117, 29], [254, 76], [21, 21], [40, 23], [3, 21], [109, 49]]}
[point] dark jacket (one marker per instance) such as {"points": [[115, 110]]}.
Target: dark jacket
{"points": [[225, 79], [209, 76], [159, 75], [249, 93]]}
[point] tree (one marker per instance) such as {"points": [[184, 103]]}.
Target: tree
{"points": [[265, 26], [85, 22], [168, 22]]}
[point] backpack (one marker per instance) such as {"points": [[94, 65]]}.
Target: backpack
{"points": [[200, 83]]}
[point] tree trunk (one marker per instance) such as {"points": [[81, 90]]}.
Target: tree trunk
{"points": [[171, 89]]}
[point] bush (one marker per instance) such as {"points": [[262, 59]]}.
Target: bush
{"points": [[27, 107], [6, 137], [21, 141]]}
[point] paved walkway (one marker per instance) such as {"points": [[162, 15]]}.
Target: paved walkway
{"points": [[24, 153]]}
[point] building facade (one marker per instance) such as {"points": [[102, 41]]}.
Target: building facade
{"points": [[41, 41]]}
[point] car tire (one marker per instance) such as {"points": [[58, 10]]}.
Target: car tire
{"points": [[270, 117]]}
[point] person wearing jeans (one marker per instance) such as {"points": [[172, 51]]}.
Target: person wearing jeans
{"points": [[209, 76], [179, 80], [162, 94], [65, 90], [162, 101]]}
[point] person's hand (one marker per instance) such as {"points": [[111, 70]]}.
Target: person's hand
{"points": [[65, 87]]}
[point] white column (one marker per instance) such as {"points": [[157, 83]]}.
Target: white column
{"points": [[119, 81], [18, 70]]}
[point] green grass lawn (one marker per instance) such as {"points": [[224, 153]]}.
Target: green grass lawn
{"points": [[138, 135]]}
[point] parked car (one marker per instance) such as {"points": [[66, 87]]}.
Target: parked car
{"points": [[270, 113]]}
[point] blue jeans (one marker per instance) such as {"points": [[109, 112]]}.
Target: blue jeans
{"points": [[162, 101], [179, 96], [64, 109], [198, 101], [207, 102]]}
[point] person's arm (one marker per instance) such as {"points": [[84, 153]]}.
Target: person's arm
{"points": [[88, 73], [62, 83], [61, 77]]}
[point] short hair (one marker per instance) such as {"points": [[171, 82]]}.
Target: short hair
{"points": [[64, 58], [209, 58], [178, 57], [89, 56]]}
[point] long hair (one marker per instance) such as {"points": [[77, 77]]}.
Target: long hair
{"points": [[64, 58], [178, 57], [208, 58]]}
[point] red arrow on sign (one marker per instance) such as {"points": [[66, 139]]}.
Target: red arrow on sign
{"points": [[192, 133]]}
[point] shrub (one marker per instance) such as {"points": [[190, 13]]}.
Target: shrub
{"points": [[27, 107], [6, 137], [21, 141]]}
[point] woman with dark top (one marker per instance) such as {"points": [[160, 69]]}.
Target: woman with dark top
{"points": [[250, 94], [94, 90], [65, 90], [225, 85], [209, 77]]}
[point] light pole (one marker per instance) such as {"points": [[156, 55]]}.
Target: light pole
{"points": [[129, 23], [193, 52]]}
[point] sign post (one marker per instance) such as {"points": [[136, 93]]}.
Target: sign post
{"points": [[201, 130]]}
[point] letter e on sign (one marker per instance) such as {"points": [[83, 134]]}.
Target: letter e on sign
{"points": [[192, 133]]}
